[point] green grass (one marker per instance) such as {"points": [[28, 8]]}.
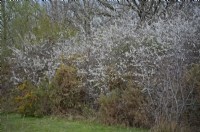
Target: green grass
{"points": [[15, 123]]}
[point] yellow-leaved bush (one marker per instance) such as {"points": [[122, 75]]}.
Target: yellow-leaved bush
{"points": [[33, 100], [26, 98]]}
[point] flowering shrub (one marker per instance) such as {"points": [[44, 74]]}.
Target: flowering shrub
{"points": [[154, 56]]}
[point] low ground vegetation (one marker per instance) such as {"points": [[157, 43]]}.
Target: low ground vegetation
{"points": [[14, 123]]}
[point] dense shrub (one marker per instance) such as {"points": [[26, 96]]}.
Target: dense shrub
{"points": [[44, 103], [62, 95], [33, 100], [193, 105], [124, 104], [26, 99], [67, 94], [7, 104], [6, 85]]}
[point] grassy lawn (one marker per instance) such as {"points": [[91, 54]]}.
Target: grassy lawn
{"points": [[15, 123]]}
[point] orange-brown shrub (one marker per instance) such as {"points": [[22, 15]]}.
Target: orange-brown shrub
{"points": [[66, 93], [124, 104]]}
